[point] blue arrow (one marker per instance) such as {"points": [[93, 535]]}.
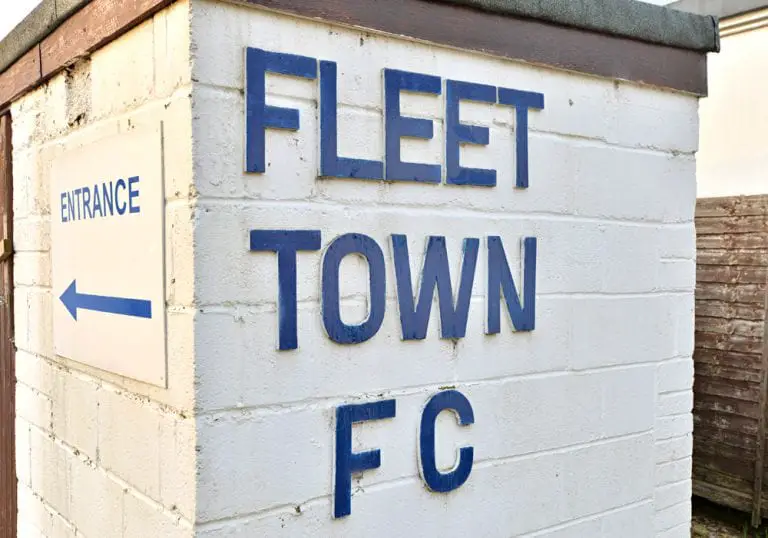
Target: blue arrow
{"points": [[137, 308]]}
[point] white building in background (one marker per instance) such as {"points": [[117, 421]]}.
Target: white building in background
{"points": [[13, 12], [733, 152]]}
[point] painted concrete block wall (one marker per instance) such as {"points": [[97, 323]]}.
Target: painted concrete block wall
{"points": [[98, 455], [582, 427]]}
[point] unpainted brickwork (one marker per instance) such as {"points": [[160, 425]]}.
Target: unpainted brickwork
{"points": [[582, 427], [100, 456]]}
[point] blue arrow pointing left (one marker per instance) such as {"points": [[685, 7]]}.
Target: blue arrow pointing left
{"points": [[137, 308]]}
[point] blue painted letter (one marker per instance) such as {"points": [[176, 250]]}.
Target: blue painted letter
{"points": [[259, 115], [397, 126], [500, 279], [522, 101], [64, 207], [133, 192], [436, 481], [456, 133], [331, 165], [453, 320], [87, 213], [286, 243], [348, 462], [120, 183], [337, 330]]}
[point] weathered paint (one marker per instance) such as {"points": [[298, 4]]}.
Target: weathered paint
{"points": [[580, 427], [731, 351]]}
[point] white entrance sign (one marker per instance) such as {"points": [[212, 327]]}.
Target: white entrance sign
{"points": [[108, 270]]}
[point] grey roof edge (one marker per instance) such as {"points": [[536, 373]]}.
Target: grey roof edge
{"points": [[35, 27], [623, 18], [719, 8]]}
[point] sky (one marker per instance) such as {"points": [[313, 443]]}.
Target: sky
{"points": [[12, 12]]}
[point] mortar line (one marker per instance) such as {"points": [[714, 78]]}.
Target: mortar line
{"points": [[592, 517], [439, 209], [377, 110], [411, 479], [328, 401], [100, 383], [52, 511], [270, 306], [673, 484], [179, 519]]}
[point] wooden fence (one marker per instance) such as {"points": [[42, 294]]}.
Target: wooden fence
{"points": [[731, 357], [7, 350]]}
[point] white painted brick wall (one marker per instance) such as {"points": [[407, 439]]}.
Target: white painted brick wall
{"points": [[582, 428], [97, 455]]}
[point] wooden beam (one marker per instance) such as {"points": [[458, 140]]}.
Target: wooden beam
{"points": [[89, 29], [98, 23], [8, 483], [21, 76], [757, 495]]}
